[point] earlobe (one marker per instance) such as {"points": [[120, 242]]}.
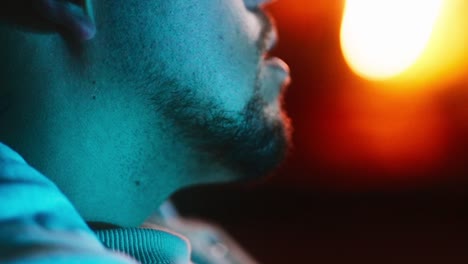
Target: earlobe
{"points": [[76, 19]]}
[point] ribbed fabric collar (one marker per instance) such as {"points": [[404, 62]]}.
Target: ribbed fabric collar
{"points": [[147, 245]]}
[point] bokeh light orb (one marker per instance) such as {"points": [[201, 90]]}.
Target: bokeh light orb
{"points": [[380, 39]]}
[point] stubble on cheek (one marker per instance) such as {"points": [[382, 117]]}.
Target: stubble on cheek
{"points": [[250, 143]]}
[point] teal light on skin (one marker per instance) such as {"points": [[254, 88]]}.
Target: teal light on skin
{"points": [[162, 95], [89, 11]]}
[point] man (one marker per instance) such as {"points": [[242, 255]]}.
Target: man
{"points": [[120, 103]]}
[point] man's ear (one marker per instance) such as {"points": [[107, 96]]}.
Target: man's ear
{"points": [[76, 17]]}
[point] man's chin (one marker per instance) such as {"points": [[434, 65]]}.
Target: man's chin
{"points": [[268, 157], [261, 145], [250, 145]]}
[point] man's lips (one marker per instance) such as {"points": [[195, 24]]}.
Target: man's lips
{"points": [[274, 77], [270, 39], [274, 73], [280, 67]]}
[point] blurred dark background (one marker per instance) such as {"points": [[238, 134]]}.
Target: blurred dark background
{"points": [[378, 173]]}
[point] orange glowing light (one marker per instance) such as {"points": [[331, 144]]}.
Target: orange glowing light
{"points": [[380, 39]]}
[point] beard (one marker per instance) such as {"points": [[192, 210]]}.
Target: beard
{"points": [[250, 144]]}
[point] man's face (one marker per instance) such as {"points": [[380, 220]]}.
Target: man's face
{"points": [[167, 94], [202, 64]]}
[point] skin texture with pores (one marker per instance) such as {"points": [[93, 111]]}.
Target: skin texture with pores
{"points": [[127, 101]]}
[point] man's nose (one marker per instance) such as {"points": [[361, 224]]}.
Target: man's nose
{"points": [[256, 4]]}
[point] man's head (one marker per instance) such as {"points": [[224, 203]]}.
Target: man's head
{"points": [[122, 102]]}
